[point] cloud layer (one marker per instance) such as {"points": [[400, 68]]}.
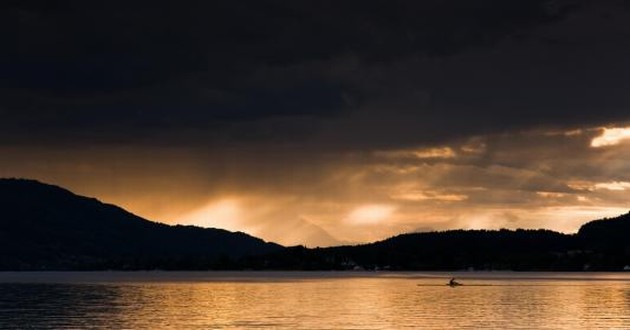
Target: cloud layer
{"points": [[323, 122], [350, 74]]}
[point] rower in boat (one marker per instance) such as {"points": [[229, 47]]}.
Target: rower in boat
{"points": [[453, 282]]}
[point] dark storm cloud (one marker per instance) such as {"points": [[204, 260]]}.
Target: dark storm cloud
{"points": [[351, 74]]}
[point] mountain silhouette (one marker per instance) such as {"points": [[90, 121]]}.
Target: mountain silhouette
{"points": [[46, 227], [600, 245], [610, 238]]}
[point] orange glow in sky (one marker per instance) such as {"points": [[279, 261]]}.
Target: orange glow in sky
{"points": [[535, 179], [370, 214]]}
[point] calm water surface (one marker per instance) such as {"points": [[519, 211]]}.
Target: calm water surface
{"points": [[326, 300]]}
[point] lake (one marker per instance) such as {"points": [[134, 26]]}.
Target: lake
{"points": [[313, 300]]}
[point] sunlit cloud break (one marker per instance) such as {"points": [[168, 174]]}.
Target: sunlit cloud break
{"points": [[440, 152], [416, 196], [615, 185], [549, 194], [370, 214], [611, 137], [591, 186]]}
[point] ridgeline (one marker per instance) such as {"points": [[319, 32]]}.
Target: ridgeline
{"points": [[44, 227]]}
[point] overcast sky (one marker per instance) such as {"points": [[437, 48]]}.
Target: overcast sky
{"points": [[324, 122]]}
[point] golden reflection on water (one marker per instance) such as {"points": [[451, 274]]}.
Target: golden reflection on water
{"points": [[328, 302]]}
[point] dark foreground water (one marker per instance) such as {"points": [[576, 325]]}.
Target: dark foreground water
{"points": [[320, 300]]}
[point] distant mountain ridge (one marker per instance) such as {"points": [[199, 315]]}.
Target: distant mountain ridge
{"points": [[600, 245], [47, 227]]}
